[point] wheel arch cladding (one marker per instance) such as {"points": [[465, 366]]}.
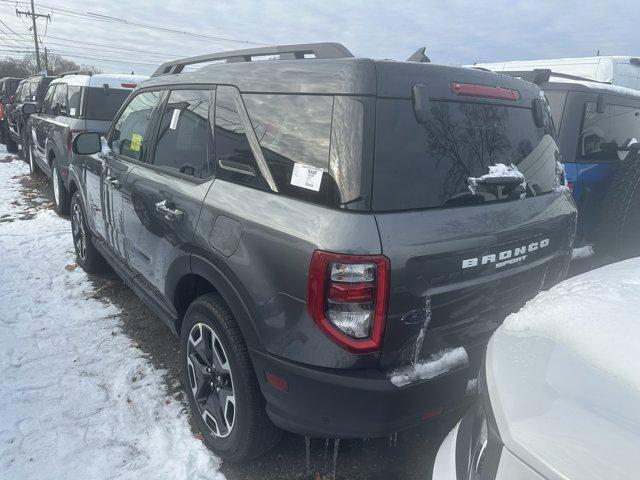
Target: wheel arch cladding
{"points": [[206, 275]]}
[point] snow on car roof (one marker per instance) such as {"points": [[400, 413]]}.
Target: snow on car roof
{"points": [[595, 315]]}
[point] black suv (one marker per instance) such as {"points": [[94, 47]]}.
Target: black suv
{"points": [[8, 86], [30, 90], [333, 238]]}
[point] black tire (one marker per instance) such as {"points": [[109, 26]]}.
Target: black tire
{"points": [[24, 144], [209, 330], [60, 194], [12, 147], [87, 256], [619, 233]]}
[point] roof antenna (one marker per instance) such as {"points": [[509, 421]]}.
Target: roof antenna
{"points": [[419, 56]]}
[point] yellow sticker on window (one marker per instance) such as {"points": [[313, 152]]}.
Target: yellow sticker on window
{"points": [[136, 141]]}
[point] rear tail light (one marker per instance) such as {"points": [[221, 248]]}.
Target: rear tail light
{"points": [[347, 298], [128, 85], [499, 93], [70, 134]]}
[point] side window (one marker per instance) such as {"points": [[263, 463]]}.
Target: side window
{"points": [[73, 97], [185, 143], [294, 132], [48, 100], [59, 103], [603, 133], [24, 92], [234, 158], [129, 130]]}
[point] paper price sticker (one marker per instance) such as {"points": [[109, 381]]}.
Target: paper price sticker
{"points": [[136, 142], [306, 177], [174, 119]]}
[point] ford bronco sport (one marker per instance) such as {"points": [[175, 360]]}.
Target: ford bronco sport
{"points": [[74, 102], [315, 225]]}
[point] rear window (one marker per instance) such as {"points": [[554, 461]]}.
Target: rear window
{"points": [[428, 165], [103, 104], [603, 133]]}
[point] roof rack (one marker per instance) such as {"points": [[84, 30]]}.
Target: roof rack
{"points": [[542, 75], [284, 52], [75, 72]]}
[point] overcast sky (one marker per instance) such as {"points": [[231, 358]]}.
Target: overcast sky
{"points": [[455, 32]]}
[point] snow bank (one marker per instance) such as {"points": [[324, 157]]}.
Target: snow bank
{"points": [[78, 399], [595, 315], [438, 364]]}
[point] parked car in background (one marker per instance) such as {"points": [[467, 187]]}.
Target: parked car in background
{"points": [[599, 137], [74, 102], [32, 90], [323, 233], [8, 86], [559, 391], [614, 70]]}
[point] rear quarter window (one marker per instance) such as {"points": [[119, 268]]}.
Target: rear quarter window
{"points": [[428, 165], [300, 134]]}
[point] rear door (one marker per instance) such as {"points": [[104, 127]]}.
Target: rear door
{"points": [[41, 123], [461, 261], [163, 199]]}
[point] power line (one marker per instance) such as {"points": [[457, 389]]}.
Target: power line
{"points": [[112, 19], [34, 16]]}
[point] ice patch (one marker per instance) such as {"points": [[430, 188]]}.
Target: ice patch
{"points": [[105, 150], [440, 363], [499, 170], [595, 315], [582, 252]]}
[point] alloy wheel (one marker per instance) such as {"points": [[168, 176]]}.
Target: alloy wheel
{"points": [[78, 231], [211, 380]]}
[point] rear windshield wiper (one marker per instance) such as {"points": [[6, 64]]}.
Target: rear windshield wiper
{"points": [[500, 175]]}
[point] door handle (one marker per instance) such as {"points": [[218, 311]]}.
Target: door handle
{"points": [[171, 214], [113, 182]]}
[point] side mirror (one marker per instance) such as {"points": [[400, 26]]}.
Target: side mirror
{"points": [[421, 103], [87, 143], [28, 108], [537, 109]]}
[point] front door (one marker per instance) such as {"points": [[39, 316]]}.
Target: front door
{"points": [[163, 199], [128, 141]]}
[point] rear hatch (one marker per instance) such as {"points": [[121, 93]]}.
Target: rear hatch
{"points": [[464, 259]]}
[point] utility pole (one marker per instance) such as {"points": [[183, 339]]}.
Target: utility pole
{"points": [[33, 16], [46, 60]]}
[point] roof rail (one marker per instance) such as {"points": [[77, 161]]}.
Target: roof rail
{"points": [[542, 75], [75, 72], [284, 52]]}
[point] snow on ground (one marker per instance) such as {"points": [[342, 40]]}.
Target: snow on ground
{"points": [[78, 399], [595, 315]]}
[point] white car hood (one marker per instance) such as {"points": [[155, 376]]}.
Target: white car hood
{"points": [[564, 377]]}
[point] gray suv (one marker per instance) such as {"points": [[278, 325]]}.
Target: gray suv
{"points": [[333, 238], [74, 102]]}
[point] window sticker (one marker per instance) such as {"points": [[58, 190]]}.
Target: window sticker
{"points": [[136, 141], [306, 177], [174, 119], [72, 111]]}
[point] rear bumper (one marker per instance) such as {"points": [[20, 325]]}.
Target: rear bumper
{"points": [[354, 403]]}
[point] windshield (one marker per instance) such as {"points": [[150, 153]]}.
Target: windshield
{"points": [[104, 106], [429, 165], [602, 134]]}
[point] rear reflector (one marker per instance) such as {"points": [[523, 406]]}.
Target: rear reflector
{"points": [[432, 413], [483, 91], [277, 382], [347, 298]]}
